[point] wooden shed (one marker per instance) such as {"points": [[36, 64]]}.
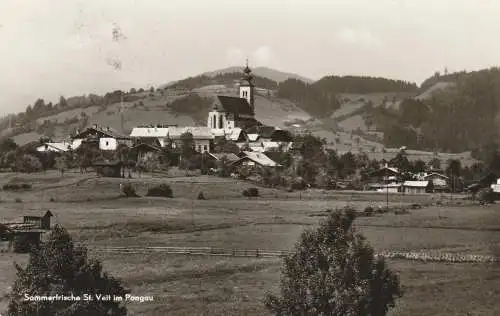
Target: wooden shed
{"points": [[41, 222]]}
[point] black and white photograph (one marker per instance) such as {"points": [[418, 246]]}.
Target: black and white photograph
{"points": [[280, 158]]}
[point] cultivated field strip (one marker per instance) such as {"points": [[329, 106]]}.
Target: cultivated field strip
{"points": [[262, 253]]}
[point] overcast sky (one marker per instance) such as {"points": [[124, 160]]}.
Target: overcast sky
{"points": [[50, 48]]}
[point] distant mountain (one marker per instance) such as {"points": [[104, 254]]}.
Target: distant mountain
{"points": [[264, 72]]}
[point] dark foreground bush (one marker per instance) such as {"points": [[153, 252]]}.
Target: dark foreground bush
{"points": [[333, 271], [251, 192], [163, 190], [201, 196], [15, 187], [128, 190]]}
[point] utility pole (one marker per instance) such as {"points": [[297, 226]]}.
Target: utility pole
{"points": [[122, 120], [387, 191]]}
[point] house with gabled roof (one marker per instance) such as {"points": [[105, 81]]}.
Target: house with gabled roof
{"points": [[106, 137]]}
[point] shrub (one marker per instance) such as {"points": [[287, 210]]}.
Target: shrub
{"points": [[163, 190], [486, 196], [201, 196], [368, 211], [251, 192], [128, 190], [401, 211], [18, 200], [15, 187], [298, 183], [334, 271]]}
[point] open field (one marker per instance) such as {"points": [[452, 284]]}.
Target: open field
{"points": [[91, 209]]}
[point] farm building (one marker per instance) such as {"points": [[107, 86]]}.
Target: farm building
{"points": [[385, 175], [254, 159], [230, 157], [144, 150], [387, 188], [417, 187], [22, 241], [60, 146], [106, 137], [439, 181], [41, 222], [108, 169], [202, 137], [150, 135], [22, 236]]}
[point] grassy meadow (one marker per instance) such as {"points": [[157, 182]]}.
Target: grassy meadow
{"points": [[92, 211]]}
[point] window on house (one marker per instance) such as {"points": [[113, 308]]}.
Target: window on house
{"points": [[199, 147], [205, 147], [107, 143], [220, 122]]}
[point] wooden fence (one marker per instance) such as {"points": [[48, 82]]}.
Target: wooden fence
{"points": [[424, 256]]}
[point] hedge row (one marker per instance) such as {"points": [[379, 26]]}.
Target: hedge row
{"points": [[439, 257]]}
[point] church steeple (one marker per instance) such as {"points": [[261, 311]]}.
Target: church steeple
{"points": [[247, 86]]}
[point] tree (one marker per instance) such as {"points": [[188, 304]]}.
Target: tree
{"points": [[454, 167], [435, 163], [7, 145], [57, 267], [122, 153], [187, 147], [63, 103], [61, 164], [28, 163], [419, 166], [334, 271]]}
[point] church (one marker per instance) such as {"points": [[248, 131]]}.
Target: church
{"points": [[230, 113]]}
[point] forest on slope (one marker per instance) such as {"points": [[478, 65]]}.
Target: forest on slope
{"points": [[459, 118]]}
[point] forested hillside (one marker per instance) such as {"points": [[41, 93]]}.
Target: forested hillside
{"points": [[459, 118], [320, 99], [227, 78]]}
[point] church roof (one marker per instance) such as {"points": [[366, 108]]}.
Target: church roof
{"points": [[233, 105]]}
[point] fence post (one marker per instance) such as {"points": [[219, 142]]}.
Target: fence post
{"points": [[257, 253], [234, 252]]}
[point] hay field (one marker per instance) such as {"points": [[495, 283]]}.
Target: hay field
{"points": [[91, 210]]}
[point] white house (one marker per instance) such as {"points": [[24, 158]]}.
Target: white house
{"points": [[146, 134], [388, 188], [59, 146], [96, 133], [415, 187], [437, 179], [496, 186]]}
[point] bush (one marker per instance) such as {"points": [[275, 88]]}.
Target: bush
{"points": [[15, 187], [486, 196], [163, 190], [298, 184], [128, 190], [201, 196], [251, 192], [18, 200], [334, 271], [368, 211]]}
